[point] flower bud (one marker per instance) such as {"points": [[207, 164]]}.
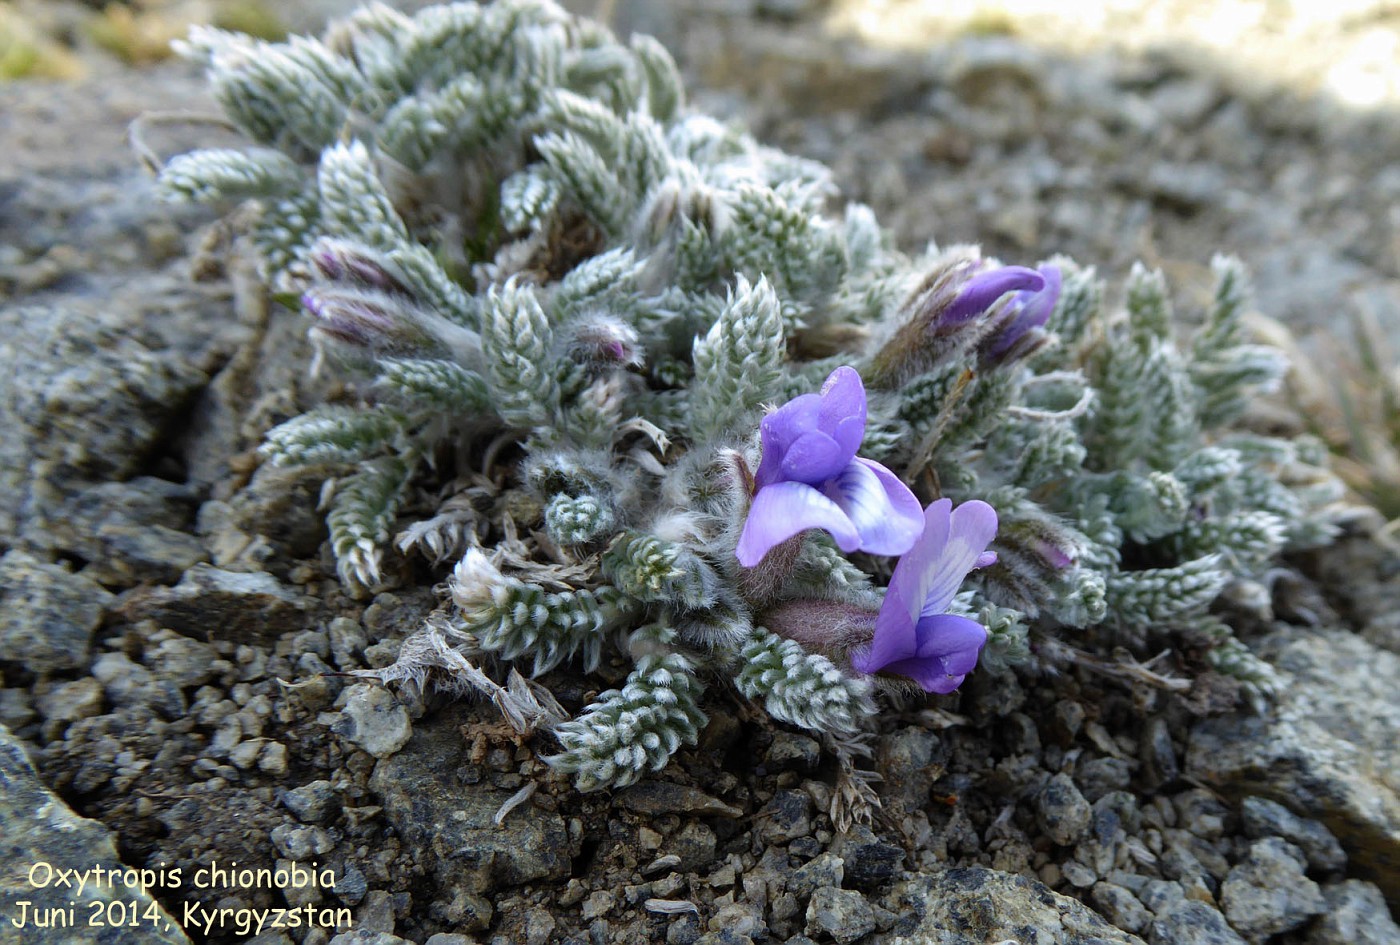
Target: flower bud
{"points": [[364, 318], [602, 341], [344, 261]]}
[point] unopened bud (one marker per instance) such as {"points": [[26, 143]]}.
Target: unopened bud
{"points": [[364, 318], [605, 341], [344, 261]]}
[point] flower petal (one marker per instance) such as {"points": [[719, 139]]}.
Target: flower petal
{"points": [[954, 639], [982, 290], [782, 510], [894, 638], [779, 429], [914, 574], [972, 526], [813, 458], [843, 409], [1034, 311], [883, 510]]}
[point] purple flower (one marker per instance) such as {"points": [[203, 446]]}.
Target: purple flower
{"points": [[810, 477], [1017, 334], [913, 635], [982, 291]]}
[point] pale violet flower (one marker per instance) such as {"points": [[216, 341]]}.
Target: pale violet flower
{"points": [[1018, 333], [982, 291], [810, 477], [914, 636]]}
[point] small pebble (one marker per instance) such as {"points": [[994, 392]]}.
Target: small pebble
{"points": [[1265, 818], [842, 914], [1120, 906], [312, 803], [1063, 812], [374, 720]]}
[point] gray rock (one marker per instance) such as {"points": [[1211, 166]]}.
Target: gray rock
{"points": [[47, 614], [787, 816], [1356, 912], [41, 837], [1201, 814], [1159, 895], [92, 390], [1267, 893], [539, 926], [228, 605], [67, 702], [982, 905], [599, 903], [843, 914], [1192, 922], [280, 505], [905, 760], [869, 862], [1157, 754], [469, 911], [793, 752], [827, 869], [366, 937], [128, 532], [683, 930], [1265, 818], [666, 797], [1101, 776], [126, 683], [300, 843], [1062, 811], [16, 708], [723, 937], [1326, 749], [186, 662], [1120, 906], [374, 720], [1078, 874], [452, 825], [351, 885], [311, 803], [694, 844], [741, 919]]}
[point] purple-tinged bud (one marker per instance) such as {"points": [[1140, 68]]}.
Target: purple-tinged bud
{"points": [[363, 317], [949, 312], [982, 291], [1020, 333], [1057, 558], [1043, 543], [328, 265], [602, 341], [312, 303], [344, 261]]}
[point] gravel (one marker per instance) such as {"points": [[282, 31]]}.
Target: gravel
{"points": [[1265, 818], [1266, 893]]}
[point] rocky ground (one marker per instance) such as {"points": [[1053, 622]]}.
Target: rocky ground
{"points": [[173, 641]]}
